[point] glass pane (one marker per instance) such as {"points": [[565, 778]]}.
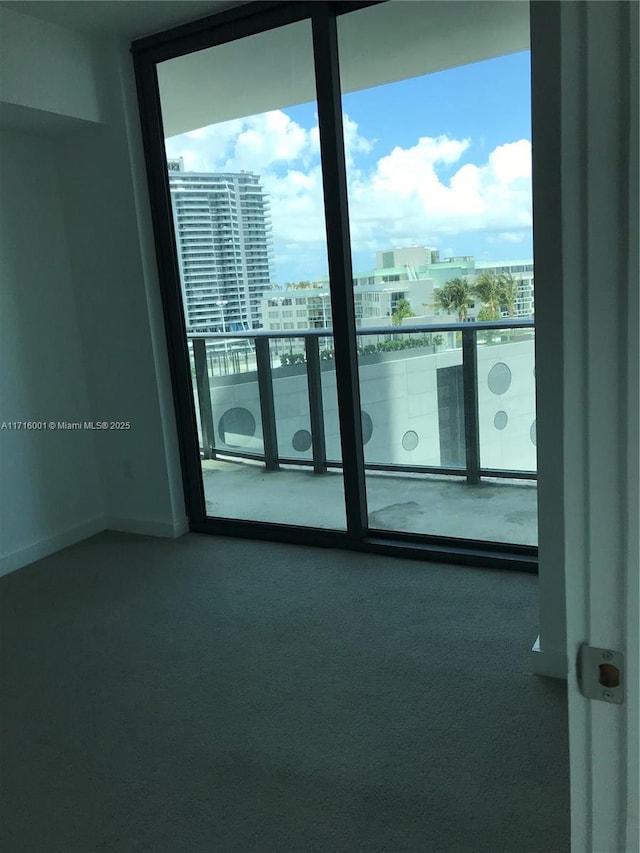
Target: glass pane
{"points": [[507, 399], [246, 186], [409, 415], [330, 400], [291, 398], [436, 110]]}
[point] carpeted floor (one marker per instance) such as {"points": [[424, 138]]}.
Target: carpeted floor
{"points": [[208, 695]]}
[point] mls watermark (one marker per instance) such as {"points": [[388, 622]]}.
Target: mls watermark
{"points": [[61, 426]]}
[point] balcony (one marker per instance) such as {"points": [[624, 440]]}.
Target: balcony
{"points": [[448, 416]]}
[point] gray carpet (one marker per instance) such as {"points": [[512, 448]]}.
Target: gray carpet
{"points": [[209, 695]]}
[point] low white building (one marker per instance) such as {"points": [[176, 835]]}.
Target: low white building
{"points": [[414, 262], [375, 304], [409, 273], [522, 273]]}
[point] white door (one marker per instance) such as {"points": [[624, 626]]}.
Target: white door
{"points": [[588, 316]]}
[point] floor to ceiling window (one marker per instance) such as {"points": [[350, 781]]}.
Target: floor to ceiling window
{"points": [[247, 202], [438, 139], [348, 272]]}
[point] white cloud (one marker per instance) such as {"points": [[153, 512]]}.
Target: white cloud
{"points": [[511, 161], [508, 237], [413, 194], [255, 143], [354, 143], [205, 149], [406, 193], [297, 210], [269, 139]]}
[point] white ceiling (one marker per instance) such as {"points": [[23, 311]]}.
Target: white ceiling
{"points": [[379, 44], [129, 18], [274, 70]]}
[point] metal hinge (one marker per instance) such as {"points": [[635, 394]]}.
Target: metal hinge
{"points": [[601, 674]]}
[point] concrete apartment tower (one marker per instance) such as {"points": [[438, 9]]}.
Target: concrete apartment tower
{"points": [[223, 234]]}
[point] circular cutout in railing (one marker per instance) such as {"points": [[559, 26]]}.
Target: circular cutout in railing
{"points": [[301, 440], [367, 427], [410, 440], [237, 427], [499, 378], [533, 434], [500, 420]]}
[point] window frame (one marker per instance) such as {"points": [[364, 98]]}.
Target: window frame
{"points": [[221, 28]]}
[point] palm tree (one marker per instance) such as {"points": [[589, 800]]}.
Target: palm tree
{"points": [[455, 296], [487, 288], [508, 291], [402, 310]]}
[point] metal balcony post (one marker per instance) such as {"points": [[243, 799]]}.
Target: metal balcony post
{"points": [[470, 392], [316, 412], [204, 398], [267, 406]]}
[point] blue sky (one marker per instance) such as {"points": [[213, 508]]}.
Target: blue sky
{"points": [[489, 101], [440, 160]]}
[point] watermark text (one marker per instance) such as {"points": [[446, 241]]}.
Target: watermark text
{"points": [[60, 426]]}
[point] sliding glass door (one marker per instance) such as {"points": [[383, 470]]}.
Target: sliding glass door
{"points": [[438, 135], [381, 399], [245, 177]]}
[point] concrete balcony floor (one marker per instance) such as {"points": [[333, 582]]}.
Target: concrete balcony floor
{"points": [[495, 510]]}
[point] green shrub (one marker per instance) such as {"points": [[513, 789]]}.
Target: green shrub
{"points": [[293, 358], [410, 342]]}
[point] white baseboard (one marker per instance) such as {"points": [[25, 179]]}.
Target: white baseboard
{"points": [[45, 547], [551, 664], [181, 527], [147, 527]]}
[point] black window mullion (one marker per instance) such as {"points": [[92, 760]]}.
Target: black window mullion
{"points": [[325, 49]]}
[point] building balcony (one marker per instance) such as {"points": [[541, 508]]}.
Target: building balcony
{"points": [[448, 420]]}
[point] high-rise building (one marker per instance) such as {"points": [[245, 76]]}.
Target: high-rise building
{"points": [[223, 235]]}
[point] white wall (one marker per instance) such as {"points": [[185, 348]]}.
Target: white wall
{"points": [[82, 335], [57, 78], [49, 481], [119, 309], [632, 485], [550, 651]]}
